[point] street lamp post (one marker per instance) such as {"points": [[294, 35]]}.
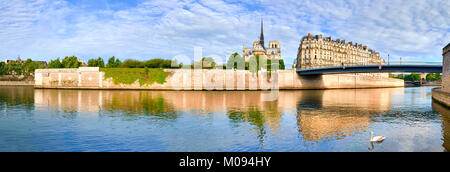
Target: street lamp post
{"points": [[388, 60], [401, 64]]}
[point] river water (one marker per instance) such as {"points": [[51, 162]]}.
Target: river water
{"points": [[309, 120]]}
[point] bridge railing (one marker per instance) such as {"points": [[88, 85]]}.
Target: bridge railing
{"points": [[392, 63]]}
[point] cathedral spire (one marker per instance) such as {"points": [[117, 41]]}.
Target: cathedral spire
{"points": [[261, 38]]}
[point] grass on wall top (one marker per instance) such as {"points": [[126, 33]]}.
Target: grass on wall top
{"points": [[130, 75]]}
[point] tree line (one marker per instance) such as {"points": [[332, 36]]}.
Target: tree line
{"points": [[416, 77], [235, 61], [25, 68]]}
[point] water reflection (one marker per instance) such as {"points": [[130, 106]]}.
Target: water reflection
{"points": [[445, 113], [307, 120], [320, 114], [15, 96], [336, 114], [132, 103]]}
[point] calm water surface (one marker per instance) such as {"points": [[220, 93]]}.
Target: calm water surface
{"points": [[319, 120]]}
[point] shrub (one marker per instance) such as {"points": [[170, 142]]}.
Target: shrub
{"points": [[130, 75]]}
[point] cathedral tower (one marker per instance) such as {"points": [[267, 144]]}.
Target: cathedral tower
{"points": [[261, 37]]}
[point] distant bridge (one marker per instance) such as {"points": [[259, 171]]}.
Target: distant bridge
{"points": [[407, 67]]}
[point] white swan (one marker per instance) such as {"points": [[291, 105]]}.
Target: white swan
{"points": [[376, 138]]}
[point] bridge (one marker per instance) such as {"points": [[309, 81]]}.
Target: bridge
{"points": [[393, 67]]}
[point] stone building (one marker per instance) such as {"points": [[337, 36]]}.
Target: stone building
{"points": [[446, 68], [259, 48], [442, 94], [19, 60], [315, 51]]}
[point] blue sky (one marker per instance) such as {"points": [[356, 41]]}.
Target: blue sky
{"points": [[416, 30]]}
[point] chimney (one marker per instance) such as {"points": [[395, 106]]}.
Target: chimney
{"points": [[309, 35], [320, 36]]}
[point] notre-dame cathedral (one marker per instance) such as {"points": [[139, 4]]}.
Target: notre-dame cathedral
{"points": [[273, 51]]}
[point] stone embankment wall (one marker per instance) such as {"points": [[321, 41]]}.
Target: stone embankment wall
{"points": [[187, 79], [446, 69], [442, 94], [16, 83], [11, 80]]}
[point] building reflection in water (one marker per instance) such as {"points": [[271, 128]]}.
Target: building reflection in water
{"points": [[321, 114], [445, 114], [336, 114]]}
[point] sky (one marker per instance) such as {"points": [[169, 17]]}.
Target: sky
{"points": [[415, 30]]}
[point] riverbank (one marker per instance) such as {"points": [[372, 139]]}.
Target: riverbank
{"points": [[16, 83], [202, 79], [441, 96]]}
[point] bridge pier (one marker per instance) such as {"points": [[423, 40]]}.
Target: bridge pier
{"points": [[442, 95]]}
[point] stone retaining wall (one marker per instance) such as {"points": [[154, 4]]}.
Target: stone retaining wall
{"points": [[198, 79], [442, 95], [16, 83], [446, 69]]}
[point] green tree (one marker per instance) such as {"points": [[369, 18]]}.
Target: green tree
{"points": [[235, 61], [391, 75], [282, 66], [55, 64], [208, 63], [153, 63], [92, 63], [96, 62], [279, 62], [113, 62], [14, 68], [100, 62], [2, 68], [433, 77], [412, 77], [253, 64], [29, 67], [71, 62], [160, 63], [132, 64]]}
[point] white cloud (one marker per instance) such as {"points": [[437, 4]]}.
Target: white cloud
{"points": [[44, 29]]}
